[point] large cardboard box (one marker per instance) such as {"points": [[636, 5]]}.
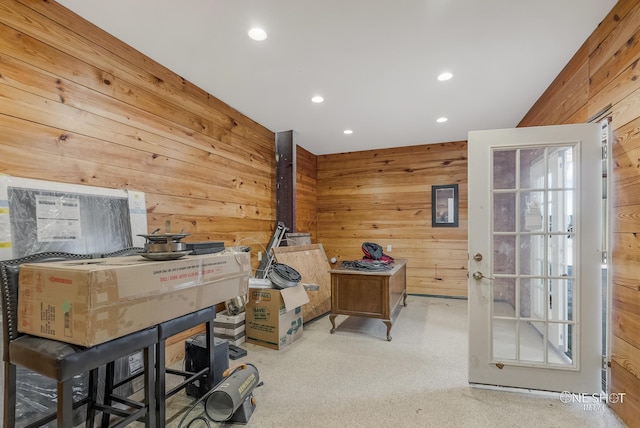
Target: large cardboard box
{"points": [[87, 302], [274, 317]]}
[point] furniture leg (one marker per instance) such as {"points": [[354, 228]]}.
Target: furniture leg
{"points": [[65, 404], [108, 391], [160, 384], [210, 353], [10, 379], [93, 396], [332, 318], [388, 323], [149, 386], [404, 300]]}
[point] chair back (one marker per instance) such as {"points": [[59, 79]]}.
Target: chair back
{"points": [[9, 270], [131, 251]]}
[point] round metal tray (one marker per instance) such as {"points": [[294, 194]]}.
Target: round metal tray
{"points": [[170, 255]]}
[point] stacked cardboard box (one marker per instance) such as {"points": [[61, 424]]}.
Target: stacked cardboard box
{"points": [[230, 327], [274, 317]]}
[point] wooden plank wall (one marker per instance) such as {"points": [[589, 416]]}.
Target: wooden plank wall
{"points": [[605, 72], [79, 106], [384, 196], [306, 199]]}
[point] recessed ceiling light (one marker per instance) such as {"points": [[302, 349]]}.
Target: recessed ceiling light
{"points": [[317, 99], [444, 76], [348, 131], [257, 34], [441, 119]]}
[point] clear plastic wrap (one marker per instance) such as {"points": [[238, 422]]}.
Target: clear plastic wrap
{"points": [[74, 223], [36, 397]]}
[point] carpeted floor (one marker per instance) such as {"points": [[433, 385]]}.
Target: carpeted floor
{"points": [[355, 378]]}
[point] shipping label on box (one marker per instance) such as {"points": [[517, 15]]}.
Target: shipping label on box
{"points": [[86, 302], [274, 317]]}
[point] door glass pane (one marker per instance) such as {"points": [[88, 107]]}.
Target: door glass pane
{"points": [[504, 339], [561, 211], [504, 254], [504, 169], [560, 346], [560, 167], [561, 296], [560, 255], [504, 297], [504, 204], [531, 211], [532, 168], [533, 299], [532, 255], [532, 341]]}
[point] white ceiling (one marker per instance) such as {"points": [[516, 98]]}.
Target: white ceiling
{"points": [[374, 61]]}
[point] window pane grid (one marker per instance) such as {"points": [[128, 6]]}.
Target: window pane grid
{"points": [[543, 189]]}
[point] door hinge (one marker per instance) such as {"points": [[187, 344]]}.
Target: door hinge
{"points": [[606, 363], [605, 152], [605, 257]]}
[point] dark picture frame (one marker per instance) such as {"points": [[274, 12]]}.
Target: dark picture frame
{"points": [[444, 205]]}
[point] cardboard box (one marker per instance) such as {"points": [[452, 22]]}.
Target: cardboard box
{"points": [[274, 317], [87, 302]]}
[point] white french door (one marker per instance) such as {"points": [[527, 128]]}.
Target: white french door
{"points": [[535, 258]]}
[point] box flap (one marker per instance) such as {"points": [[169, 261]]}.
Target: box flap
{"points": [[294, 297]]}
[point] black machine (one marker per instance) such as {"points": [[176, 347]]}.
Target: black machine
{"points": [[195, 359]]}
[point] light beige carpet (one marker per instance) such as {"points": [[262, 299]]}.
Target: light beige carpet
{"points": [[355, 378]]}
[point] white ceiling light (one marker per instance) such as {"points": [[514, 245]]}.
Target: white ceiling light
{"points": [[348, 131], [441, 119], [317, 99], [257, 34], [444, 76]]}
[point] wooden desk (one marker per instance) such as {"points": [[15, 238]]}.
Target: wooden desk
{"points": [[368, 294]]}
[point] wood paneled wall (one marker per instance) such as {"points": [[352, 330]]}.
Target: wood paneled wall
{"points": [[605, 72], [384, 196], [79, 106], [306, 198]]}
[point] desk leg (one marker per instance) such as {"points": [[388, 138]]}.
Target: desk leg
{"points": [[388, 323], [404, 300], [332, 318]]}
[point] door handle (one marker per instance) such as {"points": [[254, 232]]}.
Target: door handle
{"points": [[478, 276]]}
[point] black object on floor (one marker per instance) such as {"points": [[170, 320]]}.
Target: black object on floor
{"points": [[236, 352], [195, 359]]}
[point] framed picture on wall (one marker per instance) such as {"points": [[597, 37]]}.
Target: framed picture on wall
{"points": [[444, 205]]}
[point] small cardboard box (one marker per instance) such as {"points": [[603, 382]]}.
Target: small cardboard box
{"points": [[87, 302], [274, 317]]}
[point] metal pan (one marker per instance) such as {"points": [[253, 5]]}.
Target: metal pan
{"points": [[152, 247]]}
